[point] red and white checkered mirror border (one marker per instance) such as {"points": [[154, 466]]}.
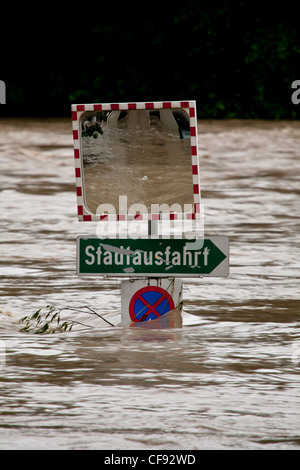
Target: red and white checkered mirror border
{"points": [[78, 109]]}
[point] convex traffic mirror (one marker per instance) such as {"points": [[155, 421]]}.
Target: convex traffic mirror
{"points": [[131, 157]]}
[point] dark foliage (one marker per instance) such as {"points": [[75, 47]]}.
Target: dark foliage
{"points": [[237, 59]]}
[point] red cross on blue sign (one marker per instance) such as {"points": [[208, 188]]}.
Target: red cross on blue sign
{"points": [[149, 303]]}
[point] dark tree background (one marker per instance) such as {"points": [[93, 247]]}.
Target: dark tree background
{"points": [[237, 59]]}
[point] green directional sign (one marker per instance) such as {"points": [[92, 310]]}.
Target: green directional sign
{"points": [[153, 257]]}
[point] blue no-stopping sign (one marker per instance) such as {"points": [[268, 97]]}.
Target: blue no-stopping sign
{"points": [[149, 303]]}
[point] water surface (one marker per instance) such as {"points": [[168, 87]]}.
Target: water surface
{"points": [[228, 379]]}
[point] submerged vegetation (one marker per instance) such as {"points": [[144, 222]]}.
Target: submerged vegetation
{"points": [[49, 320]]}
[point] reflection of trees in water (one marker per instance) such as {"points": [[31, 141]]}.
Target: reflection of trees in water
{"points": [[91, 124]]}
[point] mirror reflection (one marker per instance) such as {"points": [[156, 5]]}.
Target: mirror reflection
{"points": [[143, 154]]}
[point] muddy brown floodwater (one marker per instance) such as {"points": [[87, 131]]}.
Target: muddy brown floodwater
{"points": [[229, 378]]}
